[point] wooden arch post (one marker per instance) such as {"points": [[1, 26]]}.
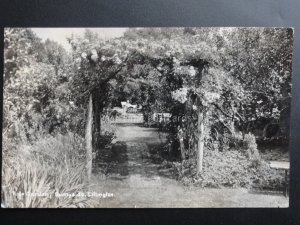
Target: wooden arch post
{"points": [[202, 67], [200, 144], [89, 139]]}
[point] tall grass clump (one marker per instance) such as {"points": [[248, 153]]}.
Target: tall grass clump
{"points": [[33, 174]]}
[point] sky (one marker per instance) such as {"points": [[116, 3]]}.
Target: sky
{"points": [[60, 34]]}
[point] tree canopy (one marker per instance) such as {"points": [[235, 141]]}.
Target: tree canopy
{"points": [[239, 76]]}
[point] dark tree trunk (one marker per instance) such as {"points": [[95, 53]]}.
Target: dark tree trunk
{"points": [[97, 109], [145, 117], [200, 146]]}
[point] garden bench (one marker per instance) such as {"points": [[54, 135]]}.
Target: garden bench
{"points": [[282, 165]]}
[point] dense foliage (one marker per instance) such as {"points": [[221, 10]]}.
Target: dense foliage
{"points": [[239, 77], [37, 112], [237, 81]]}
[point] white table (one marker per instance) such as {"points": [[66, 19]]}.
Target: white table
{"points": [[282, 165]]}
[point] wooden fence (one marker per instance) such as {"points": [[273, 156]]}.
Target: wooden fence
{"points": [[130, 118]]}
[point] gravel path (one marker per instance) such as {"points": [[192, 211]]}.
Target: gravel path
{"points": [[137, 182]]}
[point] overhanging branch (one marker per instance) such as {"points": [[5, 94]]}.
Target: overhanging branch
{"points": [[104, 81]]}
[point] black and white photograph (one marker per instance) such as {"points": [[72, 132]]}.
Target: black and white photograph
{"points": [[146, 117]]}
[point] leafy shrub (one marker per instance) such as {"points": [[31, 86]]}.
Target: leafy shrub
{"points": [[250, 147], [106, 139], [60, 150], [229, 169], [108, 130], [235, 140]]}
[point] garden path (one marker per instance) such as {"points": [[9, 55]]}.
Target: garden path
{"points": [[136, 180]]}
